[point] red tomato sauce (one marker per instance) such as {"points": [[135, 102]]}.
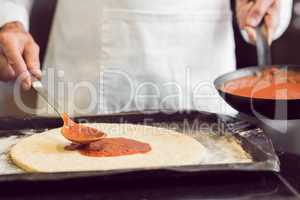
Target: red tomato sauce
{"points": [[103, 147], [109, 147], [270, 84], [78, 132]]}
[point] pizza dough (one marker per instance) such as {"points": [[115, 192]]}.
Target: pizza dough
{"points": [[45, 152]]}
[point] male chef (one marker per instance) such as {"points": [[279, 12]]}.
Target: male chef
{"points": [[107, 56]]}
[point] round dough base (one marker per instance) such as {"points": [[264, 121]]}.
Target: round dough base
{"points": [[45, 152]]}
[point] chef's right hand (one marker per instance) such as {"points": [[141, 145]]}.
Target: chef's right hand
{"points": [[19, 55]]}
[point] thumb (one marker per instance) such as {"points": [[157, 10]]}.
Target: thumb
{"points": [[251, 34]]}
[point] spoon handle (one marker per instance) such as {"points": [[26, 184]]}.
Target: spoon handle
{"points": [[40, 89], [262, 47]]}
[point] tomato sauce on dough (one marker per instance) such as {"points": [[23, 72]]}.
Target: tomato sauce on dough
{"points": [[272, 83], [103, 147], [109, 147]]}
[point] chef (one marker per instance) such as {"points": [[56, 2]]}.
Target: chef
{"points": [[107, 56]]}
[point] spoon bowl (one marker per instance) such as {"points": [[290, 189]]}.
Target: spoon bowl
{"points": [[78, 133]]}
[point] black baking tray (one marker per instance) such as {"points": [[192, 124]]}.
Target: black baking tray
{"points": [[252, 138]]}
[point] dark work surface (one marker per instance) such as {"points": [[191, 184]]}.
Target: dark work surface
{"points": [[290, 164], [168, 185], [218, 185]]}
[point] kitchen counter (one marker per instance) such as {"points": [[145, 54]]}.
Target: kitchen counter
{"points": [[285, 185], [210, 185]]}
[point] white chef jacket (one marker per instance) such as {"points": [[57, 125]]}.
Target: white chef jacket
{"points": [[107, 56]]}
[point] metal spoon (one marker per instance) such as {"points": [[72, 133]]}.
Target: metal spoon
{"points": [[262, 47], [72, 131], [79, 133]]}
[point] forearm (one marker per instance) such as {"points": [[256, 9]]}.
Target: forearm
{"points": [[15, 10]]}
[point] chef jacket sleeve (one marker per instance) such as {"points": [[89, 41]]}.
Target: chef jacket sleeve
{"points": [[15, 10], [285, 14]]}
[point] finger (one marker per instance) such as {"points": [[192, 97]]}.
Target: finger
{"points": [[270, 28], [7, 72], [271, 21], [241, 3], [242, 13], [14, 58], [251, 34], [258, 11], [31, 56]]}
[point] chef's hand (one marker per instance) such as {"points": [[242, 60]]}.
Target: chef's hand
{"points": [[19, 55], [251, 12]]}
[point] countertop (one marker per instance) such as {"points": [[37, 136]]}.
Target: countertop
{"points": [[238, 185], [213, 185]]}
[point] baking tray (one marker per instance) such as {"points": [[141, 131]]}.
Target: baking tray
{"points": [[251, 138]]}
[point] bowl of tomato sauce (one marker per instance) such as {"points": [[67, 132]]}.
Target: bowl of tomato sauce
{"points": [[269, 91]]}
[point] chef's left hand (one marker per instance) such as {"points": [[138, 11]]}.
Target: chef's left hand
{"points": [[251, 12]]}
